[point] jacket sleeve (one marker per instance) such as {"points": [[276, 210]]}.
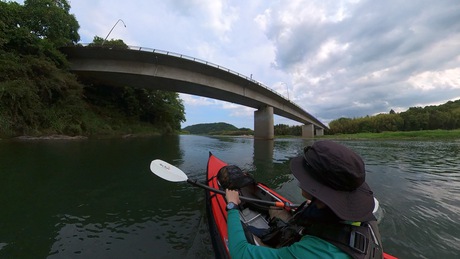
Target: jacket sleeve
{"points": [[239, 246]]}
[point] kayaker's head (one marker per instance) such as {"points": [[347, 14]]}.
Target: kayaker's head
{"points": [[335, 175], [232, 177]]}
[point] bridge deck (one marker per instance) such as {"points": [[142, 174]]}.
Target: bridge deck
{"points": [[161, 70]]}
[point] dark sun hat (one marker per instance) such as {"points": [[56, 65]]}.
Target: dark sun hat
{"points": [[335, 175]]}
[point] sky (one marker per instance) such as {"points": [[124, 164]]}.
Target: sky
{"points": [[333, 58]]}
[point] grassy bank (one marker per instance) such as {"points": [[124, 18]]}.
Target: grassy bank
{"points": [[423, 134]]}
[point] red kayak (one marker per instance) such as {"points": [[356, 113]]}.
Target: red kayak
{"points": [[217, 214], [251, 214]]}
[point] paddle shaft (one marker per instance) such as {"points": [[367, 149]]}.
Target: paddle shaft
{"points": [[243, 198]]}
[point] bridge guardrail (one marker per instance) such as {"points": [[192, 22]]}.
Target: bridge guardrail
{"points": [[174, 54]]}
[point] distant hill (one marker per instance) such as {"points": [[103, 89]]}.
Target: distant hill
{"points": [[218, 128]]}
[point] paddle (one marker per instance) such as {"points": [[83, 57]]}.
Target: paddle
{"points": [[173, 174]]}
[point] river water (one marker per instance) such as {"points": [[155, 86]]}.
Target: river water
{"points": [[98, 199]]}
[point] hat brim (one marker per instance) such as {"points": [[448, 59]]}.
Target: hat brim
{"points": [[356, 205]]}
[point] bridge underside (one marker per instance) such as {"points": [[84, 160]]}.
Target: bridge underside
{"points": [[171, 73], [263, 116]]}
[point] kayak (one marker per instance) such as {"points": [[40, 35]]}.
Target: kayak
{"points": [[216, 208], [251, 214]]}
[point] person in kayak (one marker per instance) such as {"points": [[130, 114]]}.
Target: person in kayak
{"points": [[336, 220]]}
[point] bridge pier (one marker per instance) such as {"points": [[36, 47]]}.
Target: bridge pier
{"points": [[319, 132], [308, 131], [264, 123]]}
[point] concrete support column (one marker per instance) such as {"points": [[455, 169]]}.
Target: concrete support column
{"points": [[308, 131], [264, 124], [319, 132]]}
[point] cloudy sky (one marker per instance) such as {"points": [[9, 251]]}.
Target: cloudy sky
{"points": [[333, 58]]}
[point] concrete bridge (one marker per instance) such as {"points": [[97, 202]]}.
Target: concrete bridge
{"points": [[161, 70]]}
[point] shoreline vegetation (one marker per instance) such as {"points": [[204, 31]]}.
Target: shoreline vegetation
{"points": [[221, 129], [79, 137], [406, 135], [403, 135], [40, 97]]}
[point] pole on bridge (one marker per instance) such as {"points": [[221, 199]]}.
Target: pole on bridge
{"points": [[119, 20]]}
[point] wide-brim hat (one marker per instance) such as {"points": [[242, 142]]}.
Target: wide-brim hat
{"points": [[335, 175]]}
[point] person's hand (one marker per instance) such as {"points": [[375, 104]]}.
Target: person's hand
{"points": [[232, 196]]}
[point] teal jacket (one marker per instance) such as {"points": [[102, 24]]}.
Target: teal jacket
{"points": [[307, 247]]}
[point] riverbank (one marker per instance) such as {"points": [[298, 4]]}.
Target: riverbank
{"points": [[51, 137], [403, 135], [135, 130], [66, 137], [406, 135]]}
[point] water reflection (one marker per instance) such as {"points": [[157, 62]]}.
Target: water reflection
{"points": [[97, 198]]}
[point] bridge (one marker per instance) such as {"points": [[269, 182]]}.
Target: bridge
{"points": [[168, 71]]}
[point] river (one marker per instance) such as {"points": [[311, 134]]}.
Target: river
{"points": [[97, 198]]}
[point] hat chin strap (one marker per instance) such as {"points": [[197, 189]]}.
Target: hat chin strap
{"points": [[310, 214], [318, 203]]}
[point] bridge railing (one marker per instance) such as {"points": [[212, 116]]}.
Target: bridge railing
{"points": [[170, 53]]}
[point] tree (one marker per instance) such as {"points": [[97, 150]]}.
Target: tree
{"points": [[445, 116], [283, 129], [50, 19], [152, 106], [113, 43], [163, 108], [39, 96], [35, 93], [207, 128]]}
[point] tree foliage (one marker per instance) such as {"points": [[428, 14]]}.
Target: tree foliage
{"points": [[152, 106], [50, 19], [113, 43], [206, 128], [282, 130], [38, 95], [445, 116], [33, 86]]}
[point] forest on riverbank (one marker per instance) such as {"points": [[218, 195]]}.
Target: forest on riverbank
{"points": [[39, 96], [218, 128], [435, 121], [435, 117]]}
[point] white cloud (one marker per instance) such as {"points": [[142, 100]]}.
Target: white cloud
{"points": [[192, 100], [363, 57], [216, 16], [432, 80], [238, 110]]}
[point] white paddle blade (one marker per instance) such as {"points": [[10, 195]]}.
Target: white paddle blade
{"points": [[167, 171]]}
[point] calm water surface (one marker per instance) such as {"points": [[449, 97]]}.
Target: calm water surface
{"points": [[98, 199]]}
